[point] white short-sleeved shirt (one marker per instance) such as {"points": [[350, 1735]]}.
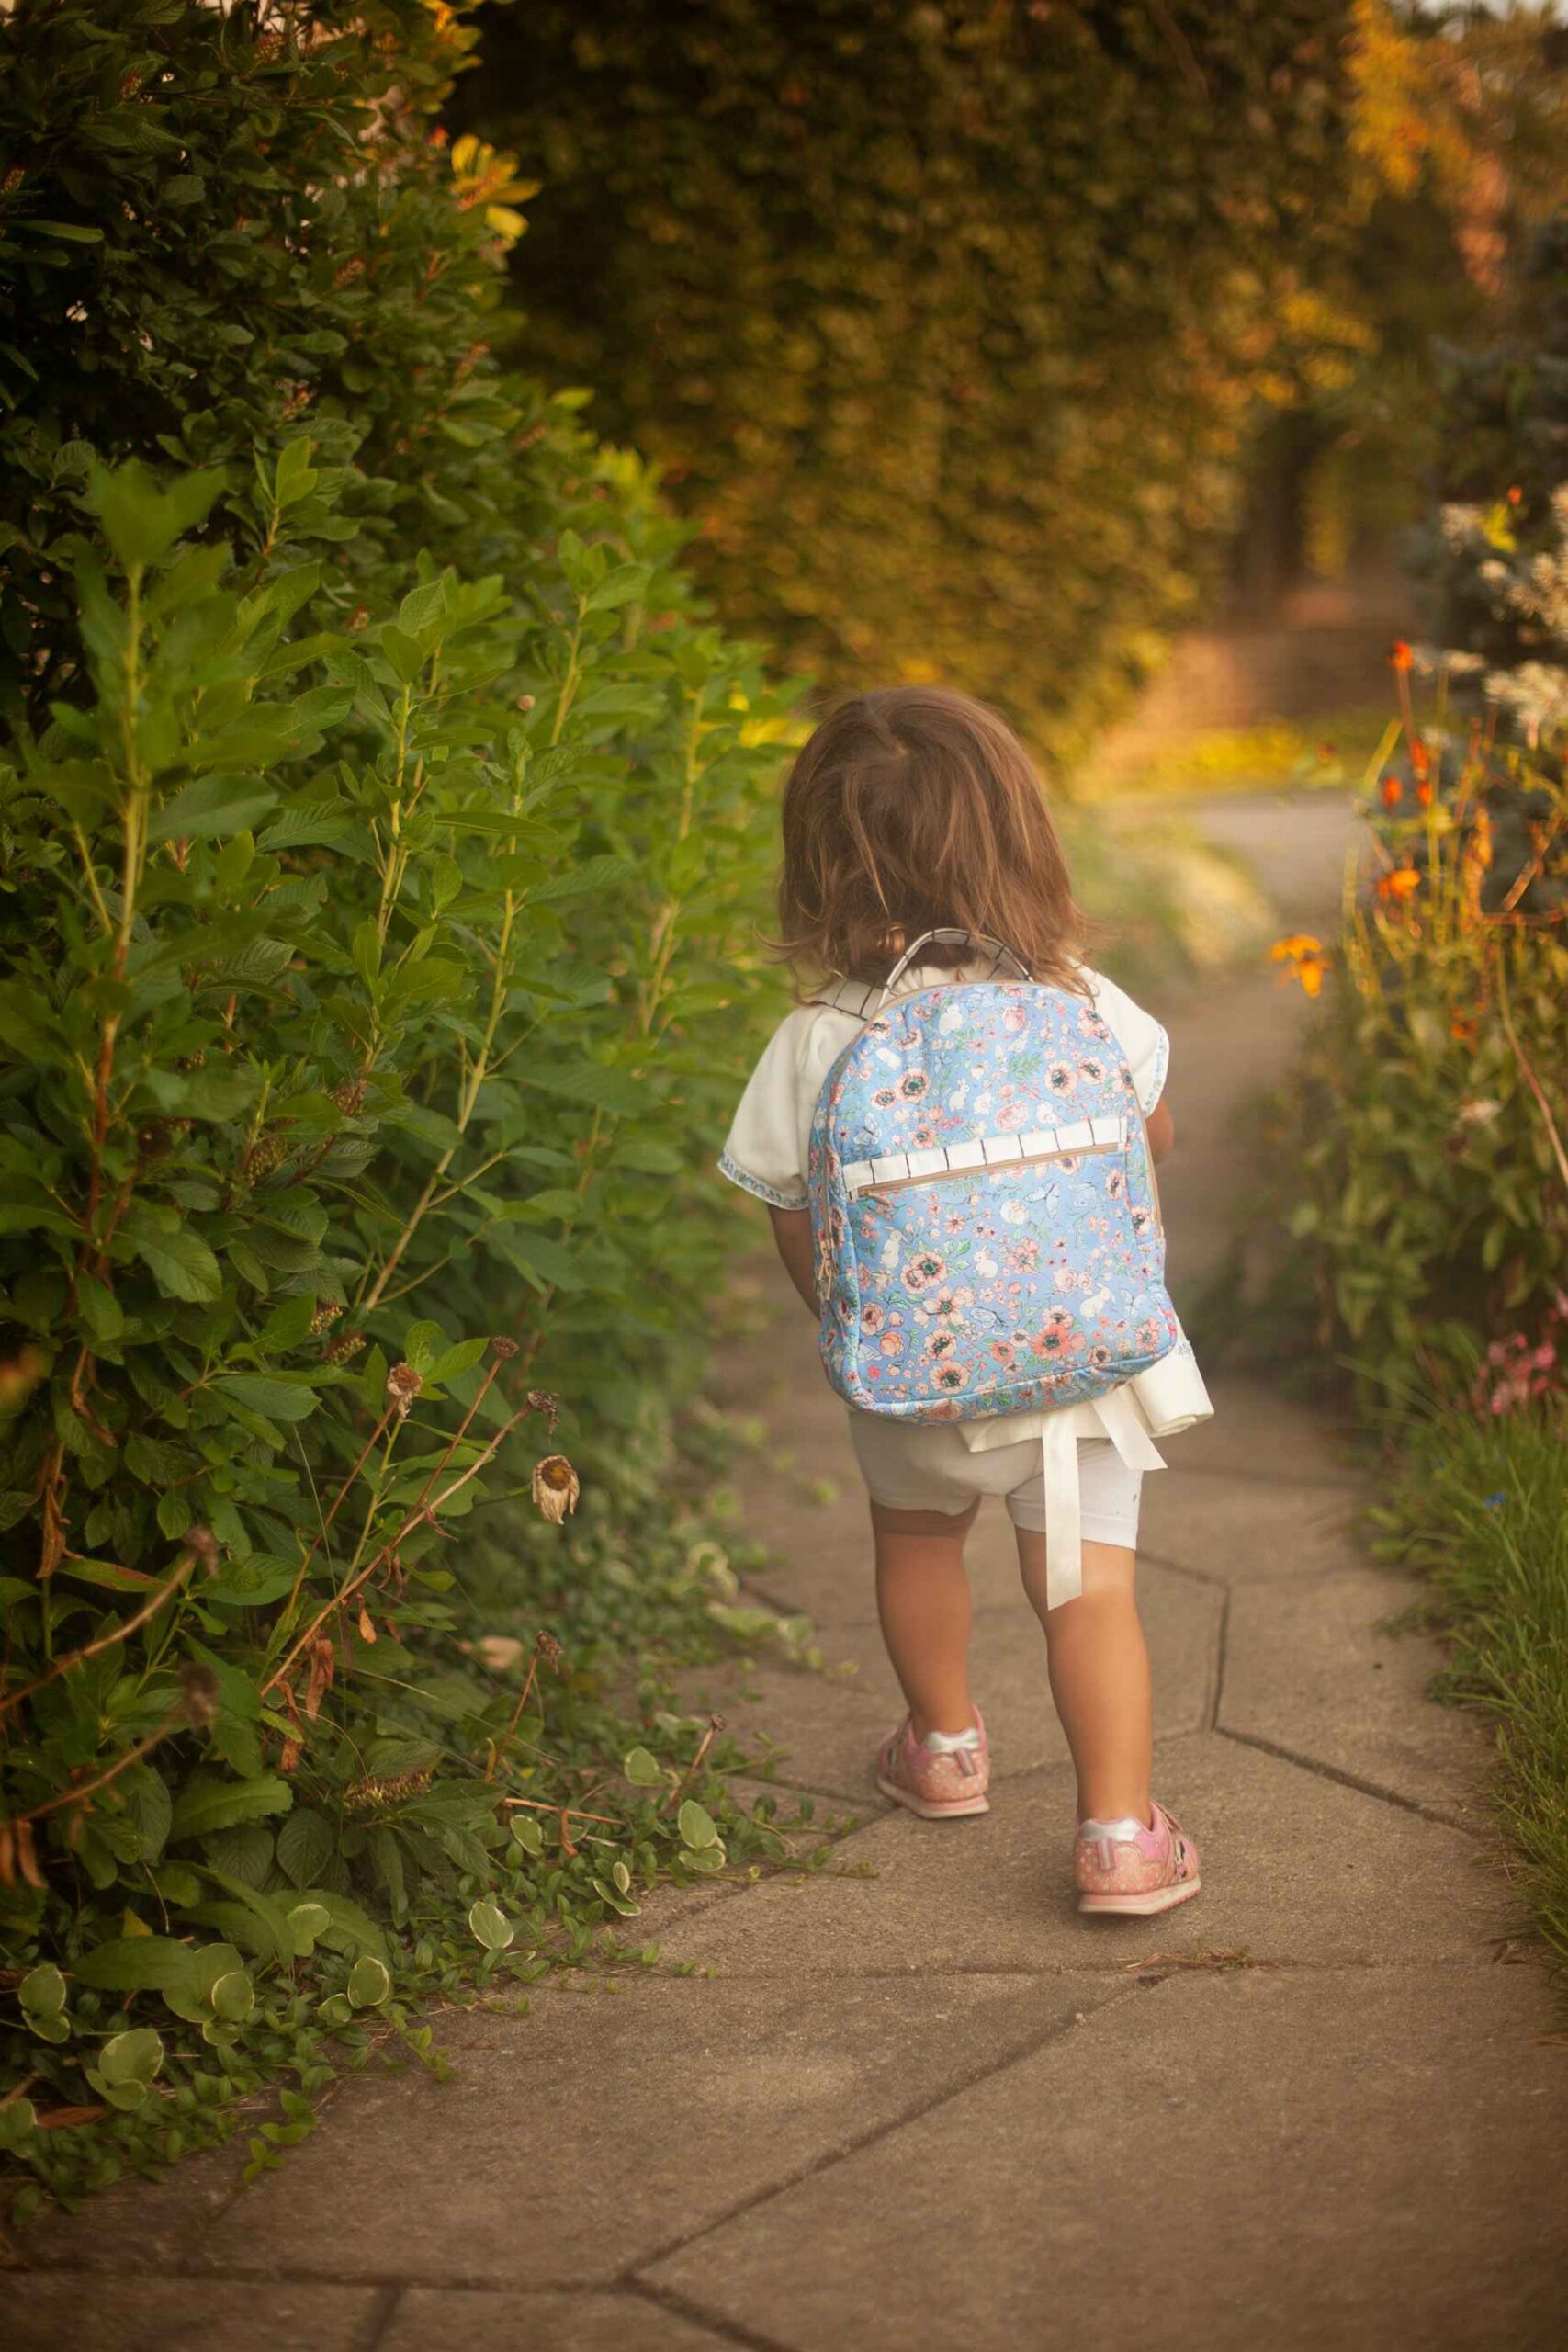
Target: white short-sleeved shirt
{"points": [[766, 1149]]}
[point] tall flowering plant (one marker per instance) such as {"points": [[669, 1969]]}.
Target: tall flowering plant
{"points": [[1432, 1126]]}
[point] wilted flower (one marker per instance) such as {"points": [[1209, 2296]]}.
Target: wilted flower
{"points": [[403, 1385], [499, 1652], [556, 1487]]}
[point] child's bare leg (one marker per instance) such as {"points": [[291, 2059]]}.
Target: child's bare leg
{"points": [[922, 1600], [1100, 1677]]}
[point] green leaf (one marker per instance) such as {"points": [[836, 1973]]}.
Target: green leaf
{"points": [[42, 1992], [18, 2121], [488, 1924], [211, 806], [134, 1965], [370, 1981], [305, 1846], [309, 1922], [697, 1826], [180, 1260], [526, 1833], [287, 1326], [140, 521], [280, 1400], [206, 1803], [136, 2055], [642, 1767]]}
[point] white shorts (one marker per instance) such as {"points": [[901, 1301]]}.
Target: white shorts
{"points": [[927, 1466]]}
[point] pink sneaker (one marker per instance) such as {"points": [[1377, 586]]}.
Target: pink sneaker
{"points": [[940, 1776], [1121, 1866]]}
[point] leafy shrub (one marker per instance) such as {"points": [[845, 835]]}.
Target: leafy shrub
{"points": [[378, 831]]}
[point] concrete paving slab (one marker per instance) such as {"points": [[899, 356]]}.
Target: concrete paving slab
{"points": [[575, 2142], [833, 1727], [1219, 2163], [1233, 1528], [1256, 1434], [1295, 1867], [465, 2319], [1308, 1670], [140, 2226], [58, 2311]]}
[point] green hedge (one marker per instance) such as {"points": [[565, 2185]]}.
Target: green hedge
{"points": [[949, 323], [380, 827]]}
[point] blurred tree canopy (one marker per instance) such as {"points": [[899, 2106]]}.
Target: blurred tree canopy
{"points": [[954, 326]]}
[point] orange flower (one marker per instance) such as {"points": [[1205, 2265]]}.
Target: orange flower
{"points": [[1420, 759], [1461, 1028], [1424, 792], [1392, 791], [1399, 883], [1305, 960], [1515, 494], [1400, 656]]}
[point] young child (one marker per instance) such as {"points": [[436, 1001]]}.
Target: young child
{"points": [[910, 811]]}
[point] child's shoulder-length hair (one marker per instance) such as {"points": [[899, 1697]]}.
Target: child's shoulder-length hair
{"points": [[916, 809]]}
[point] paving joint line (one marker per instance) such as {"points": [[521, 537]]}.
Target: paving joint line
{"points": [[1348, 1779], [868, 2138], [1222, 1660], [717, 2323], [385, 2310]]}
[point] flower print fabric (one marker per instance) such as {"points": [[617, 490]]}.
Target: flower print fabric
{"points": [[769, 1141], [1008, 1287]]}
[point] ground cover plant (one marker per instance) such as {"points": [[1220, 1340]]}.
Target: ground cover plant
{"points": [[379, 879]]}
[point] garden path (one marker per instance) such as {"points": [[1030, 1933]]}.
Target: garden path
{"points": [[920, 2100]]}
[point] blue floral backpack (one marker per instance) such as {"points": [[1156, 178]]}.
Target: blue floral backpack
{"points": [[983, 1208]]}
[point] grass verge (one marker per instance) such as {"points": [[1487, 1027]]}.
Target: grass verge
{"points": [[1481, 1511]]}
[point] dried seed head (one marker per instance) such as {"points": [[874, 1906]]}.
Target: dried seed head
{"points": [[324, 1317], [403, 1385], [503, 1349], [198, 1691], [546, 1647], [203, 1544], [539, 1400], [265, 1155], [350, 1097], [555, 1487], [348, 1344]]}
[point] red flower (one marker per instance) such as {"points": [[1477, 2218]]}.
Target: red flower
{"points": [[1393, 792], [1400, 656]]}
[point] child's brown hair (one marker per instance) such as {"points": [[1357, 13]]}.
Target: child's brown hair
{"points": [[916, 809]]}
